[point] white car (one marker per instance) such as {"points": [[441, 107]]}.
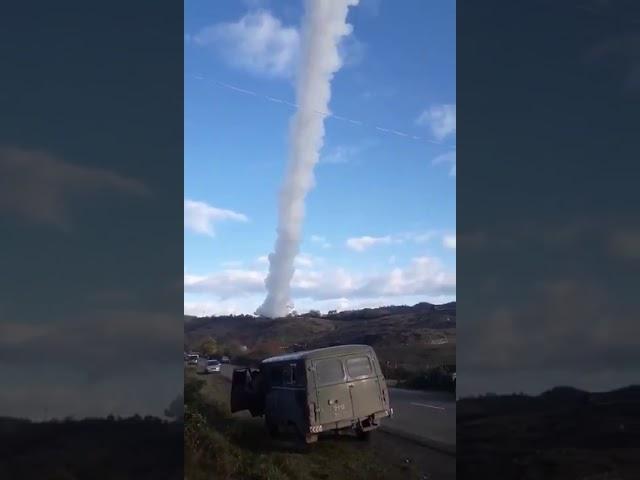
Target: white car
{"points": [[211, 366], [192, 359]]}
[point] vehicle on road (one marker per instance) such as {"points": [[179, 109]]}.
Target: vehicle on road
{"points": [[225, 359], [210, 365], [315, 391], [192, 359]]}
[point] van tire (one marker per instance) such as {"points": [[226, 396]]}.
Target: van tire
{"points": [[305, 439]]}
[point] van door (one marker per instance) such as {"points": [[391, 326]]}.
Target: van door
{"points": [[248, 391], [334, 401], [240, 396], [364, 386]]}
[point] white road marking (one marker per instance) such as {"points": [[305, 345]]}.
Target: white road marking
{"points": [[428, 406]]}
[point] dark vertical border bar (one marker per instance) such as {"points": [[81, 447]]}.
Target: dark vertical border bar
{"points": [[91, 194], [549, 239]]}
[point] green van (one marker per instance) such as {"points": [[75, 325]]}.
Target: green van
{"points": [[315, 391]]}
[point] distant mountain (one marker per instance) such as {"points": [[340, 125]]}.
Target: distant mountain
{"points": [[411, 336], [555, 399], [562, 433]]}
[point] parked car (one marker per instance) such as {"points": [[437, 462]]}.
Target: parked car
{"points": [[192, 359], [210, 365], [334, 388], [225, 359]]}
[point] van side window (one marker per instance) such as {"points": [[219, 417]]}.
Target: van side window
{"points": [[329, 371], [359, 367], [276, 375], [289, 374]]}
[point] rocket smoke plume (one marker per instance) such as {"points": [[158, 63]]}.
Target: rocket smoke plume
{"points": [[324, 26]]}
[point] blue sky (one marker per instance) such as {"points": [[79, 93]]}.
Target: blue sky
{"points": [[380, 222]]}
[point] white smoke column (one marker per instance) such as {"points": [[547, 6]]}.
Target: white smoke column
{"points": [[324, 26]]}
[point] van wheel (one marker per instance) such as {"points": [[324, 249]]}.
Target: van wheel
{"points": [[363, 435], [272, 427], [305, 439]]}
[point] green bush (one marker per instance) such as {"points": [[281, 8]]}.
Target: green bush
{"points": [[432, 379]]}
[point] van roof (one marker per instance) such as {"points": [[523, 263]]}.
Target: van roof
{"points": [[320, 353]]}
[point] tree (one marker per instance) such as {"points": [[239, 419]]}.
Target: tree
{"points": [[209, 347]]}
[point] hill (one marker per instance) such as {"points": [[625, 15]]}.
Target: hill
{"points": [[99, 448], [562, 433], [407, 338]]}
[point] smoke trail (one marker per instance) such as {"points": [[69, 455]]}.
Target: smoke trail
{"points": [[324, 26]]}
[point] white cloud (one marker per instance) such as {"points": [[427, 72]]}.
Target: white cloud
{"points": [[257, 42], [303, 260], [347, 153], [448, 158], [319, 240], [40, 187], [226, 283], [422, 277], [248, 304], [449, 241], [228, 306], [441, 119], [201, 217], [360, 244], [341, 154]]}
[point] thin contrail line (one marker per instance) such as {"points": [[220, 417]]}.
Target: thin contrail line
{"points": [[269, 98]]}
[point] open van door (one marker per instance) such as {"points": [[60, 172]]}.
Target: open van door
{"points": [[240, 396], [247, 391]]}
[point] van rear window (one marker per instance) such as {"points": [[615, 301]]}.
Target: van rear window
{"points": [[329, 371], [359, 367]]}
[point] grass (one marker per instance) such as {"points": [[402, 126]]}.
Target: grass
{"points": [[224, 446]]}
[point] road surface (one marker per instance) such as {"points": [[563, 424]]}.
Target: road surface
{"points": [[429, 417]]}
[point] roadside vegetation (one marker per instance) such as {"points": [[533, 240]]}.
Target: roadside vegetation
{"points": [[96, 448], [439, 378], [224, 446]]}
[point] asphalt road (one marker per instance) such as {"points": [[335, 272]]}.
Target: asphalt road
{"points": [[429, 417]]}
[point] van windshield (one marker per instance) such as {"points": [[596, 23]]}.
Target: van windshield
{"points": [[329, 371]]}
